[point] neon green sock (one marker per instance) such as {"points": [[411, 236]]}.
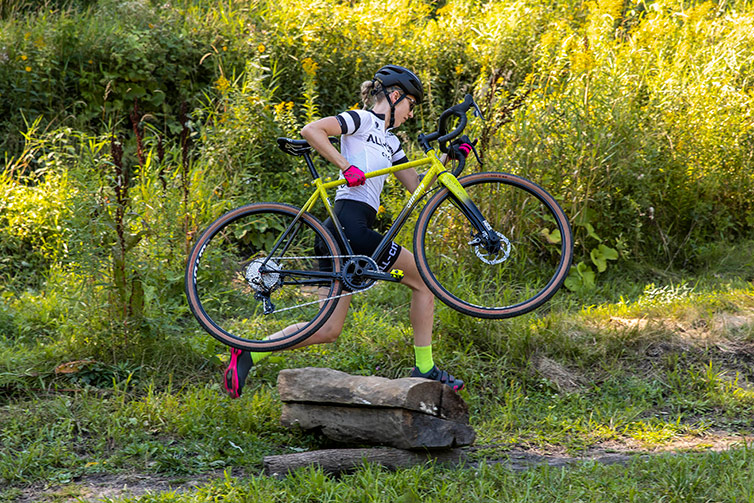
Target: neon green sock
{"points": [[258, 357], [424, 361]]}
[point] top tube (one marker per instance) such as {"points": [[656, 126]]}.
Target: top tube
{"points": [[392, 169]]}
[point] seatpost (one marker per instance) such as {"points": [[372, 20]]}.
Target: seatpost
{"points": [[310, 165]]}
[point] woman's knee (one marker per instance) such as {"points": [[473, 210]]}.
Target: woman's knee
{"points": [[327, 334], [413, 280]]}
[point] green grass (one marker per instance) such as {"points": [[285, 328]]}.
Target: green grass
{"points": [[667, 369], [635, 115]]}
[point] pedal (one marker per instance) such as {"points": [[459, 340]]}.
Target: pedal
{"points": [[397, 274]]}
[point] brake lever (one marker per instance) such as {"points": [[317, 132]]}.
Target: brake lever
{"points": [[476, 154], [477, 113]]}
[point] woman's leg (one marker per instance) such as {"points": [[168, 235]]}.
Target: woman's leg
{"points": [[421, 316], [241, 362], [422, 310], [331, 330]]}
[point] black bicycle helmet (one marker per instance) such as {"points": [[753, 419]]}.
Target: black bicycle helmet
{"points": [[394, 75]]}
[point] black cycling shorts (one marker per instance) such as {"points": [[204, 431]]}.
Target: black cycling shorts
{"points": [[356, 219]]}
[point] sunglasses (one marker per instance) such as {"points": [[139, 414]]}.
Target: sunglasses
{"points": [[411, 103]]}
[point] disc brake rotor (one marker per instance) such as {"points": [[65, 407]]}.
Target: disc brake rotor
{"points": [[489, 258]]}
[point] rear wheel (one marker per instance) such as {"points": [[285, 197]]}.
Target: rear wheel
{"points": [[259, 282], [531, 267]]}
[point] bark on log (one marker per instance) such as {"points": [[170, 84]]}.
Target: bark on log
{"points": [[337, 461], [404, 429], [328, 386], [405, 413]]}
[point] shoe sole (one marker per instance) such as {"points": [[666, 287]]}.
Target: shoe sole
{"points": [[230, 377]]}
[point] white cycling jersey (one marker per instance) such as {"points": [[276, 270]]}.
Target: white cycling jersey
{"points": [[367, 145]]}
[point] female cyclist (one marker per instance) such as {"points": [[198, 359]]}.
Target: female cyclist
{"points": [[367, 144]]}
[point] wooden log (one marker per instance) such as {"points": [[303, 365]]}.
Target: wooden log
{"points": [[337, 461], [401, 428], [328, 386]]}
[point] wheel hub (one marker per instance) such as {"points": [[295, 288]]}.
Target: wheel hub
{"points": [[478, 243], [261, 275]]}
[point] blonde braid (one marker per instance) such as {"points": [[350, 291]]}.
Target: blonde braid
{"points": [[368, 91]]}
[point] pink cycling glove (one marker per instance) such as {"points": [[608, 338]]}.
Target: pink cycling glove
{"points": [[354, 176], [465, 148]]}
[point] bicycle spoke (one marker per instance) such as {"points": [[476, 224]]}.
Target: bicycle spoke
{"points": [[527, 270], [246, 295]]}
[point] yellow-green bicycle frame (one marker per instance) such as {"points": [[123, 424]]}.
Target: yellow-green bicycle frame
{"points": [[436, 170]]}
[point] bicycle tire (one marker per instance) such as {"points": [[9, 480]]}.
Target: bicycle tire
{"points": [[523, 212], [225, 272]]}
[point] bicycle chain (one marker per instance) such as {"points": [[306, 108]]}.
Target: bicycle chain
{"points": [[328, 298]]}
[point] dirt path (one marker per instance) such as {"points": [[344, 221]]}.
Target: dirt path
{"points": [[614, 453], [96, 488]]}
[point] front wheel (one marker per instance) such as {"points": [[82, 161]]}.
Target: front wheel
{"points": [[263, 278], [536, 254]]}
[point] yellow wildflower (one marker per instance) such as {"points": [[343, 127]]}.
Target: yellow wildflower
{"points": [[222, 83], [261, 48], [446, 9], [24, 57], [28, 68], [310, 66], [582, 62]]}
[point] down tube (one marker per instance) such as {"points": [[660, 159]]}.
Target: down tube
{"points": [[420, 192]]}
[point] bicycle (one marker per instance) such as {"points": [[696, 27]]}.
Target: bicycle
{"points": [[489, 245]]}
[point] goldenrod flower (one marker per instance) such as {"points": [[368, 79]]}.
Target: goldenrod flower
{"points": [[310, 66], [222, 83], [582, 62]]}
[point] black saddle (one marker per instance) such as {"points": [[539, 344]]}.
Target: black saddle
{"points": [[299, 147]]}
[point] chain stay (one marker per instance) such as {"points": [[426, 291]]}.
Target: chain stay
{"points": [[318, 300]]}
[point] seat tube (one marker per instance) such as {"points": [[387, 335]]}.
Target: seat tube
{"points": [[321, 193]]}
